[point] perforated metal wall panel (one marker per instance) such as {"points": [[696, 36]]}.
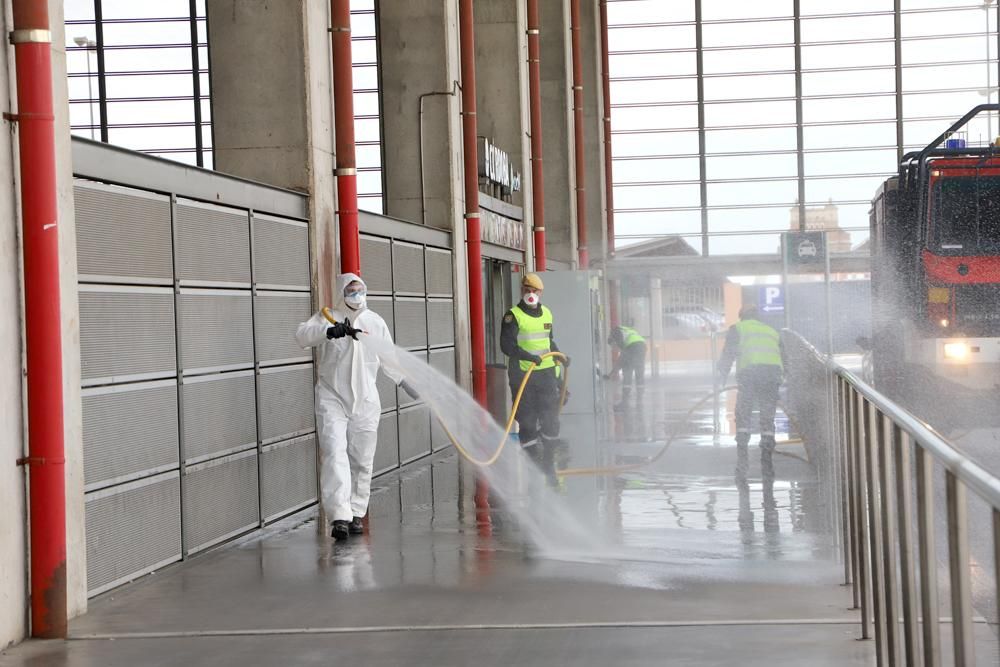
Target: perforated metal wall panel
{"points": [[411, 323], [383, 306], [286, 402], [443, 360], [414, 433], [129, 430], [123, 233], [376, 258], [439, 272], [276, 317], [439, 439], [220, 500], [219, 414], [407, 268], [281, 252], [112, 345], [213, 243], [131, 530], [215, 329], [387, 450], [288, 475], [440, 322], [386, 391]]}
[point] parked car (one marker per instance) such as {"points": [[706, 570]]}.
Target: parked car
{"points": [[683, 322]]}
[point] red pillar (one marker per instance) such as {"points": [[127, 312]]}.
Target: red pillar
{"points": [[581, 170], [343, 114]]}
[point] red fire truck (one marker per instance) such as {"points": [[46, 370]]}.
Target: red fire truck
{"points": [[935, 244]]}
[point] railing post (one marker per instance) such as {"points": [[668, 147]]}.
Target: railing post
{"points": [[904, 506], [958, 567], [928, 558], [891, 579], [864, 546], [846, 523], [870, 450]]}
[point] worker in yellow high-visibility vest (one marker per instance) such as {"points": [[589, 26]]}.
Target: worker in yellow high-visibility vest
{"points": [[756, 348], [631, 360], [525, 335]]}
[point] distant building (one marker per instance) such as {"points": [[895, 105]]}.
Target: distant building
{"points": [[826, 219]]}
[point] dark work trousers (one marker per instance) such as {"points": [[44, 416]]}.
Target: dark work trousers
{"points": [[633, 367], [758, 388], [538, 413]]}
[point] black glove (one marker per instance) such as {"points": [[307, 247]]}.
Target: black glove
{"points": [[342, 329], [565, 361], [534, 358], [606, 376], [408, 388]]}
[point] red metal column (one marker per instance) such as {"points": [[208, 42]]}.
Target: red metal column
{"points": [[343, 114], [46, 459], [535, 106], [581, 199]]}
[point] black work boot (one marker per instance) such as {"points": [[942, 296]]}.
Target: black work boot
{"points": [[357, 526], [341, 529], [767, 443], [742, 455]]}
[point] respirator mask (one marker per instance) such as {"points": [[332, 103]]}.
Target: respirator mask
{"points": [[532, 299], [355, 299]]}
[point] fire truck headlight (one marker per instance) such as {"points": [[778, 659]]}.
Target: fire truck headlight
{"points": [[956, 351]]}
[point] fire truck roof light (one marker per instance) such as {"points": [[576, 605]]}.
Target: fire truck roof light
{"points": [[956, 351]]}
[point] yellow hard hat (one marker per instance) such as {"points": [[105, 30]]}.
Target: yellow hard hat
{"points": [[532, 280]]}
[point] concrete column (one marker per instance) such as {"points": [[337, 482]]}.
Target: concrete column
{"points": [[557, 125], [420, 60], [273, 108], [593, 131]]}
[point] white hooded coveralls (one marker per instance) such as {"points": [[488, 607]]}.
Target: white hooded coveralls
{"points": [[347, 404]]}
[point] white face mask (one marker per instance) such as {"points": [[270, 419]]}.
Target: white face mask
{"points": [[355, 300], [531, 298]]}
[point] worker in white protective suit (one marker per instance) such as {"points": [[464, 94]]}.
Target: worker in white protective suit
{"points": [[347, 402]]}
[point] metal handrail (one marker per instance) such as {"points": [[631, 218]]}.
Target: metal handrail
{"points": [[875, 445]]}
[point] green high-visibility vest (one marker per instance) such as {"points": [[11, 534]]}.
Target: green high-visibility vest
{"points": [[631, 336], [534, 335], [759, 345]]}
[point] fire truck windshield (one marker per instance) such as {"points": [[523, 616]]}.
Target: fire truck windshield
{"points": [[965, 215]]}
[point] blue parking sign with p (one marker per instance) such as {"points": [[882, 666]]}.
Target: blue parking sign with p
{"points": [[771, 299]]}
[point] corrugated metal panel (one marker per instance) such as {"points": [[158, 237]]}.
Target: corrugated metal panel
{"points": [[131, 530], [440, 322], [276, 317], [281, 252], [288, 475], [387, 450], [376, 257], [286, 402], [213, 243], [407, 268], [411, 323], [383, 306], [215, 328], [386, 391], [129, 431], [220, 500], [439, 272], [126, 331], [123, 233], [219, 414], [414, 433], [443, 360]]}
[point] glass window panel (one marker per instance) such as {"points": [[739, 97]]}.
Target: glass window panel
{"points": [[370, 182], [371, 203], [846, 189], [368, 156], [642, 11], [367, 130], [741, 9], [205, 81], [82, 114], [848, 215], [657, 223], [951, 49], [77, 10], [363, 51], [957, 21], [81, 61], [675, 90], [150, 85], [972, 75], [854, 27], [208, 160], [683, 169], [756, 192], [751, 165], [848, 108], [749, 113], [857, 81], [132, 60], [651, 38], [749, 219], [362, 5], [202, 32], [674, 117], [737, 34], [739, 141], [200, 7], [663, 143], [126, 34], [848, 55], [82, 87], [657, 196], [366, 104], [812, 7], [75, 32], [850, 162], [152, 138], [743, 244], [365, 76], [749, 60], [850, 136], [120, 113], [652, 64], [940, 104], [918, 134], [749, 87], [206, 136], [363, 25], [130, 9]]}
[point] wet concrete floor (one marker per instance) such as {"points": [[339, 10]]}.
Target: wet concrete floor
{"points": [[707, 568]]}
